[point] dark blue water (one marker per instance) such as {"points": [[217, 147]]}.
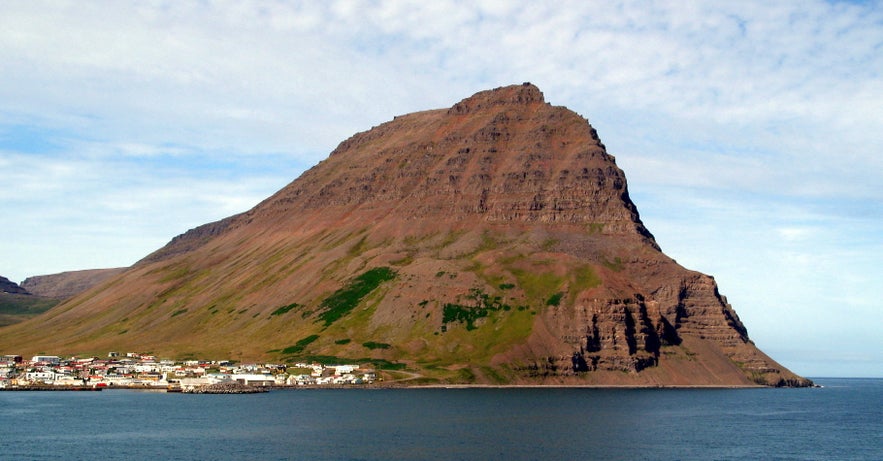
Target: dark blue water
{"points": [[844, 420]]}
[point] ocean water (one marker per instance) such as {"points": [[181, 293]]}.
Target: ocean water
{"points": [[842, 421]]}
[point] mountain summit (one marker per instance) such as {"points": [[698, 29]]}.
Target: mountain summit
{"points": [[491, 242]]}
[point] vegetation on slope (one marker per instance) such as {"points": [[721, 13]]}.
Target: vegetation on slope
{"points": [[344, 300], [15, 308]]}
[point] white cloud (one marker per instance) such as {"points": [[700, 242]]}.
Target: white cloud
{"points": [[790, 234]]}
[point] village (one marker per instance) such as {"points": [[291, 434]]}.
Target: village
{"points": [[143, 371]]}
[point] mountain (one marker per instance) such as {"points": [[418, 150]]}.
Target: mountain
{"points": [[67, 284], [17, 304], [40, 293], [8, 286], [491, 242]]}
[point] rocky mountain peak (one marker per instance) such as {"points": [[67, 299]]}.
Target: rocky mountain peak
{"points": [[501, 156], [526, 93]]}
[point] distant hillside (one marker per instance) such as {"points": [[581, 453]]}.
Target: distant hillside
{"points": [[38, 294], [8, 286], [67, 284], [15, 308]]}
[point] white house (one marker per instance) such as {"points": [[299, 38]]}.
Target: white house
{"points": [[344, 369], [68, 380], [189, 384], [301, 380], [40, 376], [50, 359], [254, 379]]}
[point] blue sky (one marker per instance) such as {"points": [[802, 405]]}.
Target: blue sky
{"points": [[750, 132]]}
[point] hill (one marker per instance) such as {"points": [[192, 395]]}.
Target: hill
{"points": [[491, 242], [17, 307], [7, 286], [67, 284]]}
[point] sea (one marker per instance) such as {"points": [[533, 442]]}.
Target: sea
{"points": [[843, 420]]}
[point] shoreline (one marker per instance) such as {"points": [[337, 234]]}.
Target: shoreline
{"points": [[391, 386]]}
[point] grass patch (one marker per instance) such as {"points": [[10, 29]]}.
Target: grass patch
{"points": [[178, 312], [379, 364], [584, 277], [15, 308], [555, 300], [341, 342], [450, 239], [493, 375], [359, 247], [537, 285], [284, 309], [300, 345], [465, 375], [374, 345], [344, 300], [616, 265], [482, 305]]}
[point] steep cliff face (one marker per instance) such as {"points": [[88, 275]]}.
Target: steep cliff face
{"points": [[494, 241]]}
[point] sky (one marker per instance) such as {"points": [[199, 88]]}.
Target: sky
{"points": [[750, 132]]}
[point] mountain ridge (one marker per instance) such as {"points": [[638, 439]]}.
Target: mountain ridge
{"points": [[64, 285], [8, 286]]}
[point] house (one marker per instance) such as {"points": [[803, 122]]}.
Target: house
{"points": [[68, 380], [344, 369], [47, 359], [189, 384], [45, 376], [250, 379], [301, 380]]}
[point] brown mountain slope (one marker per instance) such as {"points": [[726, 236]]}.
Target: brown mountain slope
{"points": [[492, 242]]}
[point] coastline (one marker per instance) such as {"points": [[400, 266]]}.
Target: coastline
{"points": [[390, 386]]}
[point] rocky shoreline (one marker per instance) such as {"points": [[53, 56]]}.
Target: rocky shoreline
{"points": [[225, 388], [51, 388]]}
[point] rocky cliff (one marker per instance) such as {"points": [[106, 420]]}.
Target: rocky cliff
{"points": [[7, 286], [491, 242]]}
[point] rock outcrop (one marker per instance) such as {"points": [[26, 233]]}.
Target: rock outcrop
{"points": [[492, 242], [7, 286]]}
